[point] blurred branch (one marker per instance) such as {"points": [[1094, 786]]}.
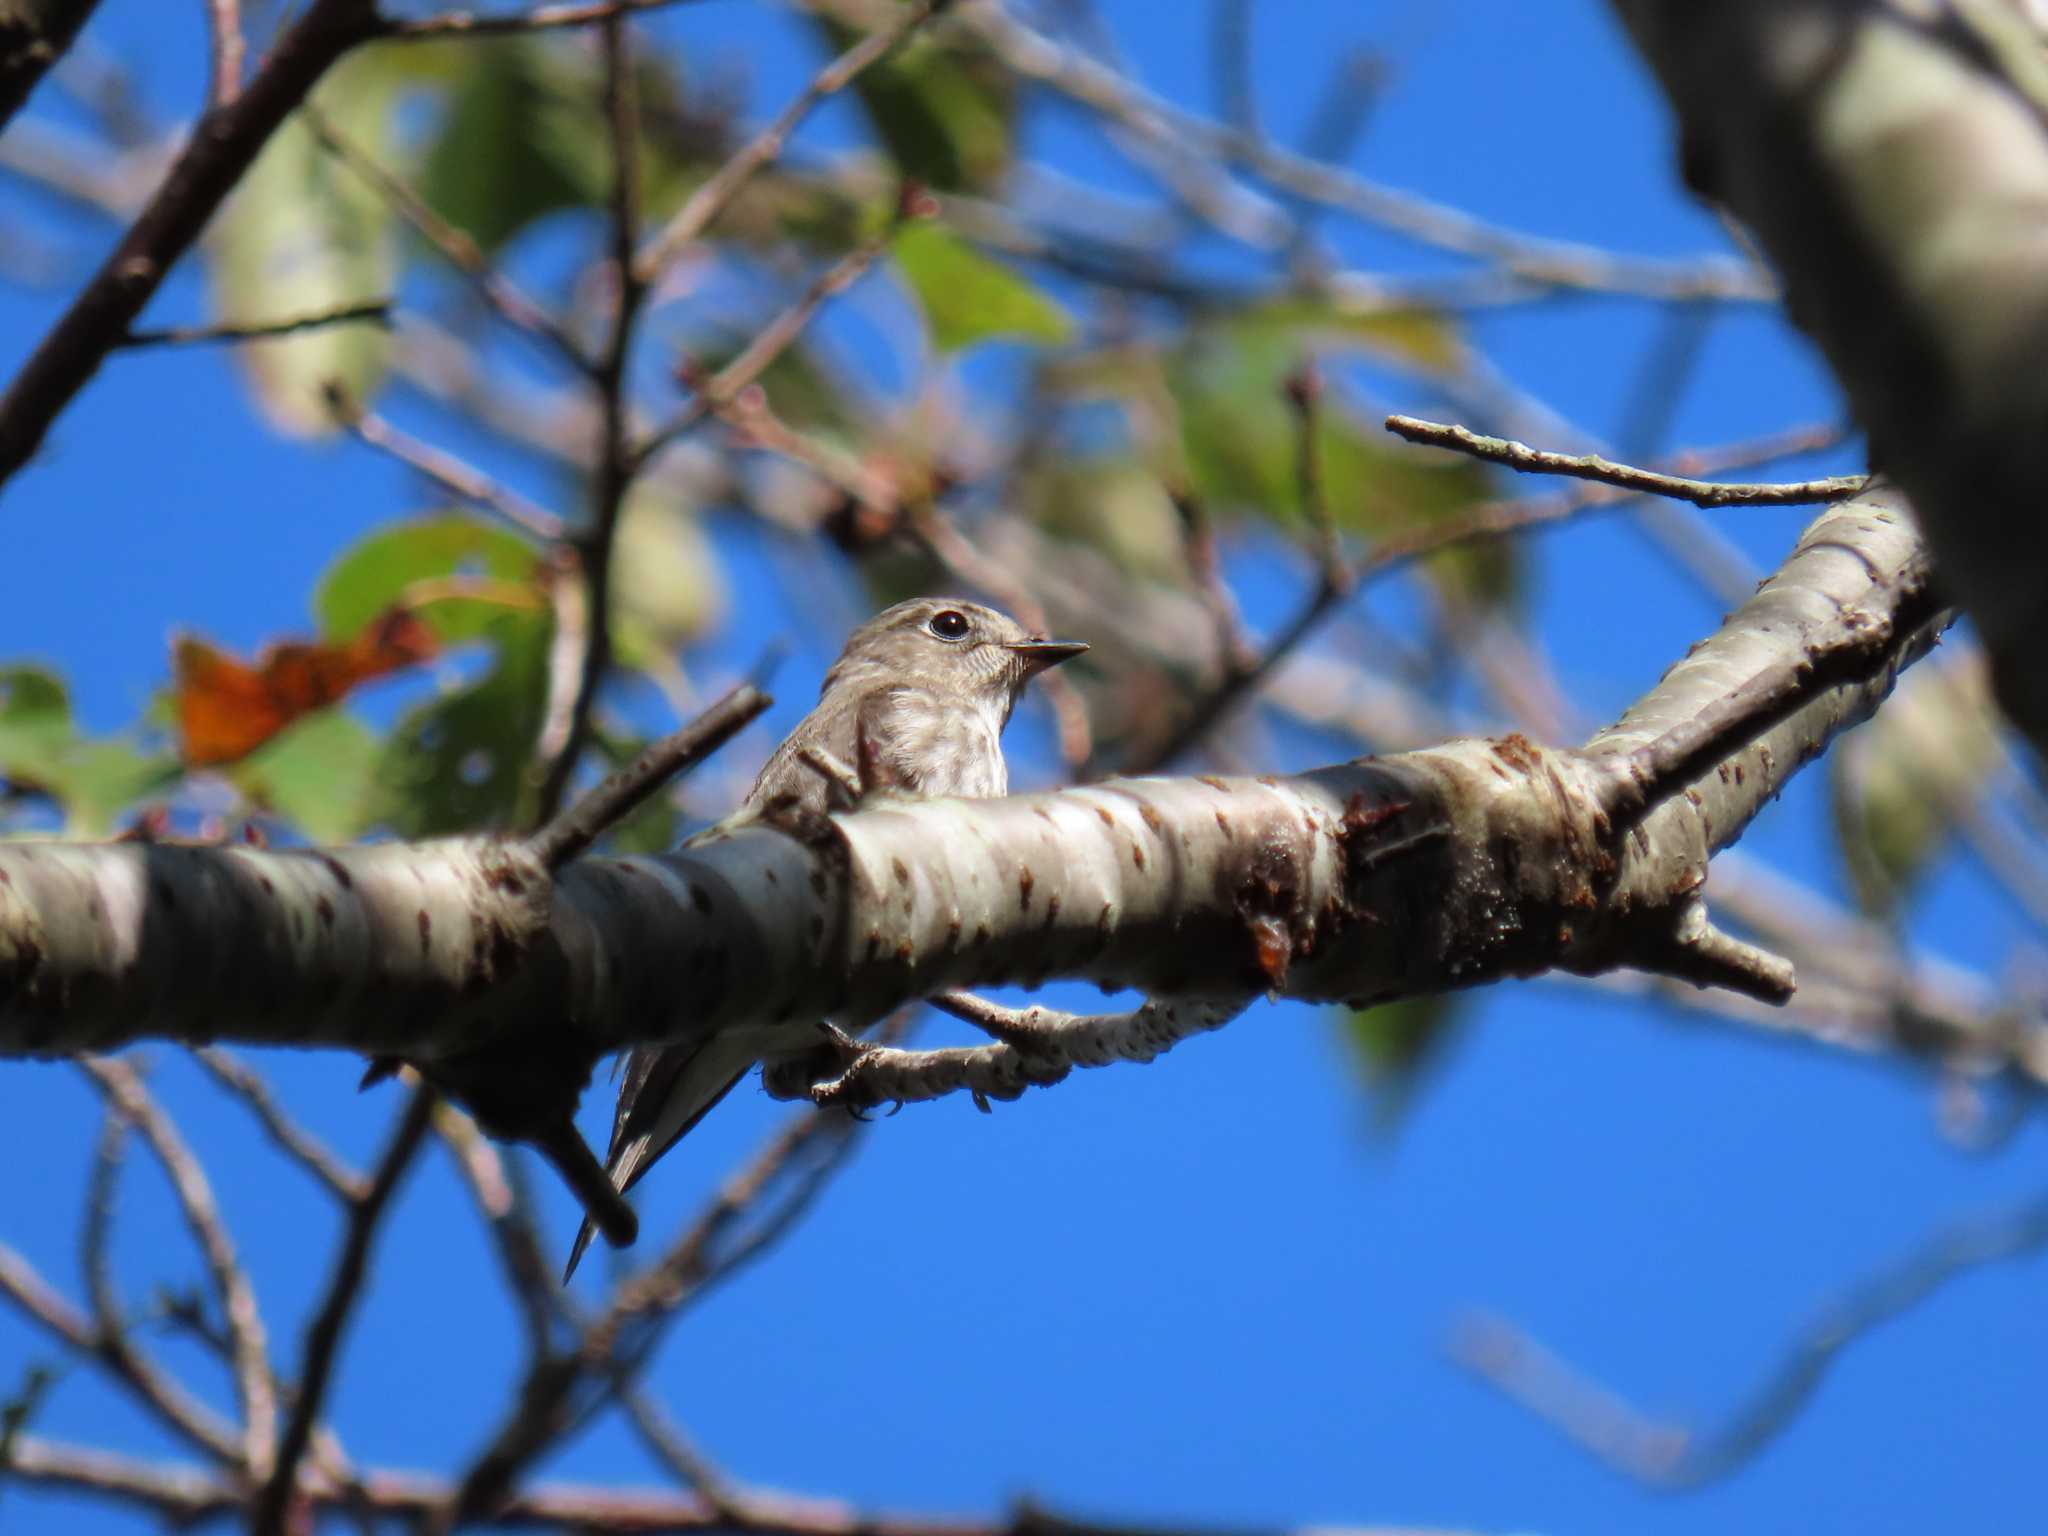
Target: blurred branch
{"points": [[507, 299], [377, 311], [1590, 466], [616, 463], [291, 1138], [33, 36], [710, 199], [1671, 1456], [274, 1501], [444, 469], [541, 19], [222, 146], [713, 395], [224, 34], [1550, 263], [162, 1394], [183, 1496], [620, 1337], [123, 1088]]}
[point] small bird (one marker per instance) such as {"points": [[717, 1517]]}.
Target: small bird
{"points": [[916, 703]]}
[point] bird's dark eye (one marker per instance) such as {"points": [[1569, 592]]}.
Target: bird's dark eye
{"points": [[948, 624]]}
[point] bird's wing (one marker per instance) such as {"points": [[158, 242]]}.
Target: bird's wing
{"points": [[667, 1090]]}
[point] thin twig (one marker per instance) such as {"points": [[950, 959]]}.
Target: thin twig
{"points": [[291, 1138], [616, 461], [570, 834], [711, 198], [716, 394], [224, 29], [453, 475], [1590, 466], [375, 311], [507, 299], [179, 1497], [221, 146], [492, 1184], [1498, 519], [541, 19], [123, 1087], [344, 1290], [156, 1390], [1671, 1456], [1335, 581], [1551, 263]]}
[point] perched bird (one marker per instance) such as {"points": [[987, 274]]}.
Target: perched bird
{"points": [[916, 703]]}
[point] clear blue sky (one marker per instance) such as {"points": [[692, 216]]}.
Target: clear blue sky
{"points": [[1203, 1290]]}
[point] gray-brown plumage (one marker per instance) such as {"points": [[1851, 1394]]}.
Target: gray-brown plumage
{"points": [[916, 703]]}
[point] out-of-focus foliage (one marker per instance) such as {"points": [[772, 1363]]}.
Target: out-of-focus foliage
{"points": [[1899, 784]]}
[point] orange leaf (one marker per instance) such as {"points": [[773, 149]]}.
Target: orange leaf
{"points": [[228, 708]]}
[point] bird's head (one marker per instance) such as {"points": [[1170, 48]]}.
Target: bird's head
{"points": [[948, 646]]}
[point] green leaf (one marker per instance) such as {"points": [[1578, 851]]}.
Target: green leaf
{"points": [[521, 138], [427, 562], [101, 779], [35, 725], [301, 234], [461, 762], [968, 297], [1394, 1044], [91, 781], [315, 775], [1238, 441], [944, 111], [1897, 784]]}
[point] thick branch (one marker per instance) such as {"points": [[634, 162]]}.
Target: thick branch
{"points": [[1449, 867], [1893, 161]]}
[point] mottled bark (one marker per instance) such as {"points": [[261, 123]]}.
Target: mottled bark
{"points": [[1892, 159], [1449, 867], [33, 36]]}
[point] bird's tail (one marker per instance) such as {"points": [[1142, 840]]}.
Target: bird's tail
{"points": [[667, 1090]]}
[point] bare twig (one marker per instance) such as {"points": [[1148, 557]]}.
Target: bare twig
{"points": [[491, 1183], [1334, 582], [714, 394], [444, 469], [1590, 466], [1035, 1047], [507, 299], [1551, 263], [291, 1138], [123, 1088], [1671, 1456], [710, 199], [344, 1290], [157, 1391], [543, 18], [374, 311], [182, 1496], [572, 832]]}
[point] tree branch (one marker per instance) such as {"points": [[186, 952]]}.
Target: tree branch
{"points": [[224, 143], [1894, 167], [33, 36], [1449, 867], [1590, 466]]}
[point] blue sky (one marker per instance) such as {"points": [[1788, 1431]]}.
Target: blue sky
{"points": [[1202, 1291]]}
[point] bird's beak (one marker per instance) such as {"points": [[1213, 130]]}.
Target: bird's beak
{"points": [[1040, 654]]}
